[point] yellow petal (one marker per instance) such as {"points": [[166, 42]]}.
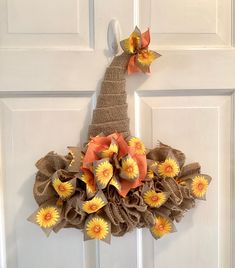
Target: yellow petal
{"points": [[103, 173], [129, 169], [115, 183], [150, 174], [88, 178], [47, 217], [199, 186], [154, 199], [113, 149], [64, 189], [93, 205], [168, 168], [133, 43], [97, 228], [162, 227], [137, 144], [146, 57]]}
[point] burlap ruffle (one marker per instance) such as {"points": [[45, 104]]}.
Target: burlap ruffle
{"points": [[123, 213], [127, 213]]}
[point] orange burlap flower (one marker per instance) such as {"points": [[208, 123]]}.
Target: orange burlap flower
{"points": [[99, 146]]}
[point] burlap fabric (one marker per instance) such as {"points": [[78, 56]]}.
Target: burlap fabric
{"points": [[123, 214], [110, 114]]}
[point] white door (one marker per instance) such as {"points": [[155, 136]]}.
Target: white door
{"points": [[53, 54]]}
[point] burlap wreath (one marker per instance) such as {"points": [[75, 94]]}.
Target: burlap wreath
{"points": [[115, 184]]}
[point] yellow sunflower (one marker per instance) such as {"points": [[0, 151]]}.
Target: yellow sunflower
{"points": [[199, 186], [146, 57], [47, 217], [129, 169], [97, 228], [152, 169], [137, 144], [115, 183], [150, 174], [104, 172], [168, 168], [113, 149], [154, 164], [63, 189], [73, 158], [154, 199], [131, 44], [162, 227], [93, 205], [88, 178]]}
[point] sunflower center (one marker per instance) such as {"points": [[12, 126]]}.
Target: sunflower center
{"points": [[168, 168], [134, 41], [97, 229], [144, 55], [129, 169], [106, 172], [200, 186], [154, 198], [138, 145], [61, 187], [48, 216], [160, 227], [93, 207]]}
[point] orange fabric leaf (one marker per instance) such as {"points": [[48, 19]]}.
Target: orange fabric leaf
{"points": [[122, 145], [145, 39], [90, 155], [100, 143], [126, 186], [132, 67], [142, 164]]}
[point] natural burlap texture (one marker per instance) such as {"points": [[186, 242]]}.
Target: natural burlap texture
{"points": [[110, 114], [122, 213]]}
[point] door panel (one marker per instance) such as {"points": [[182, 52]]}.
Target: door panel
{"points": [[188, 23], [63, 24], [120, 253], [31, 127], [200, 127]]}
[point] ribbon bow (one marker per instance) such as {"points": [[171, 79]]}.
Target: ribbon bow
{"points": [[137, 46]]}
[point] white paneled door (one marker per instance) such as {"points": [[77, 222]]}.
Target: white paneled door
{"points": [[52, 57]]}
